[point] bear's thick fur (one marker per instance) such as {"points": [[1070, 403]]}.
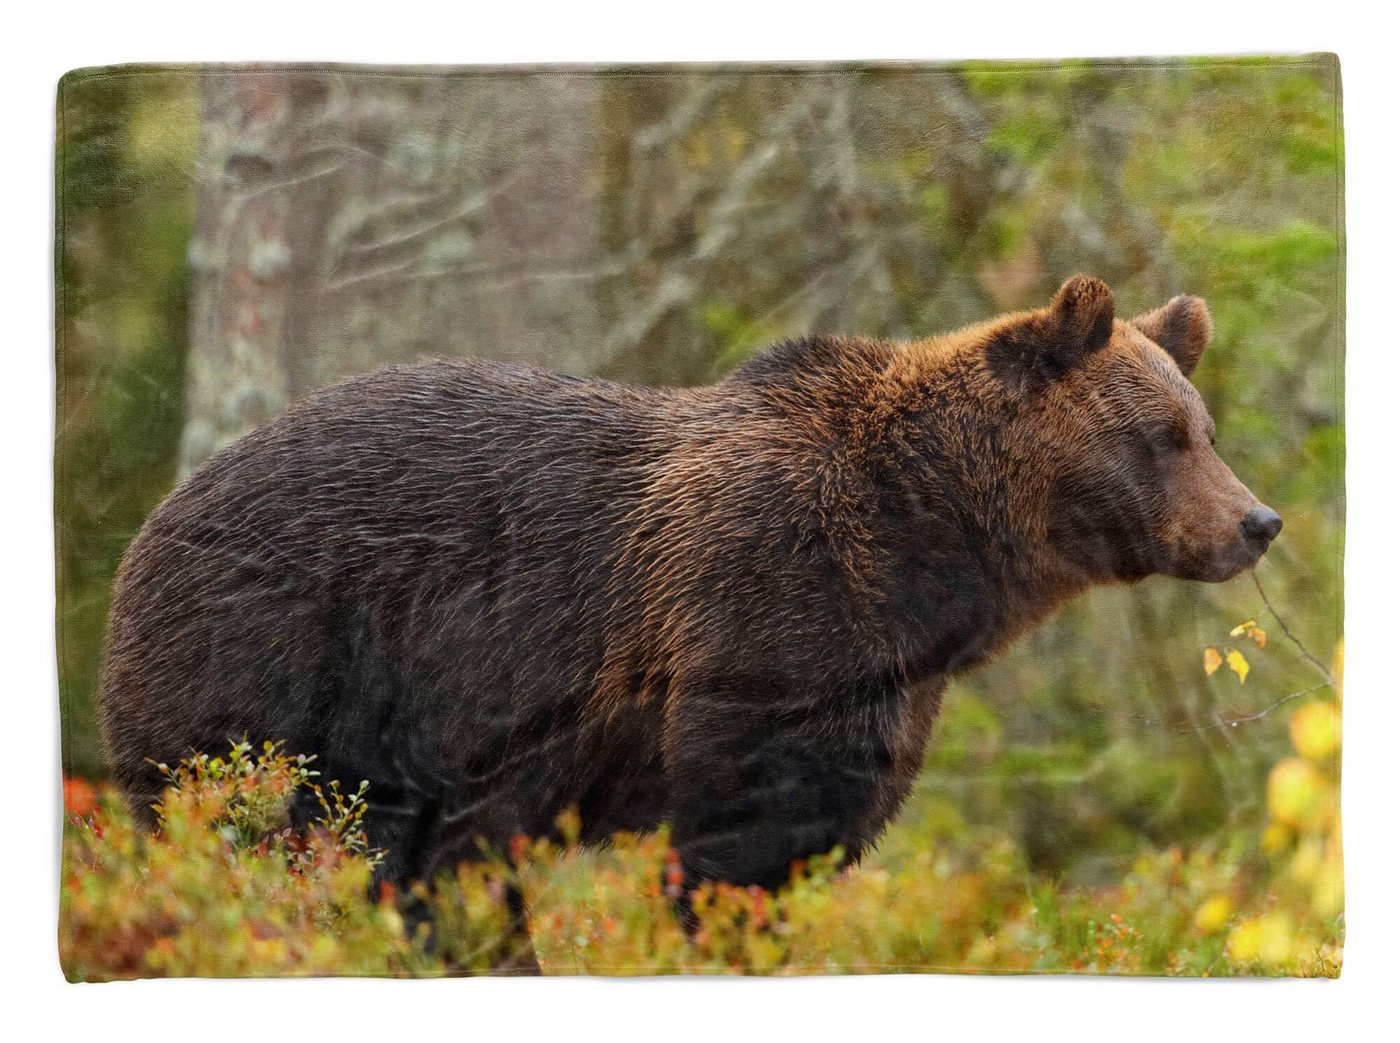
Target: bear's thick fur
{"points": [[498, 593]]}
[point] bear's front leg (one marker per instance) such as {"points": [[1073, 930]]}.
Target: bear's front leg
{"points": [[760, 776]]}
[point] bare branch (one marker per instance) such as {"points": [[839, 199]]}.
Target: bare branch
{"points": [[1231, 722], [1331, 680]]}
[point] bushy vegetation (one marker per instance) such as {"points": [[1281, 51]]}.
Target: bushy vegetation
{"points": [[227, 887]]}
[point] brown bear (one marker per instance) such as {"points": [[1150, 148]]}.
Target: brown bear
{"points": [[498, 593]]}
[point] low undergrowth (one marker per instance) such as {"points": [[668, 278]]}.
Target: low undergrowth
{"points": [[227, 888]]}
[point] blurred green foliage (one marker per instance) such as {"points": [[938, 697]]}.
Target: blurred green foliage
{"points": [[125, 158], [1096, 743]]}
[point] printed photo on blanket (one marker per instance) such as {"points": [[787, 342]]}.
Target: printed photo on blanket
{"points": [[728, 519]]}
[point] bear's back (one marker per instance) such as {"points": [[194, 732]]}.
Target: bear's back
{"points": [[434, 576], [410, 540]]}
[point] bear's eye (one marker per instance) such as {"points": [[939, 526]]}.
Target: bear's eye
{"points": [[1165, 438]]}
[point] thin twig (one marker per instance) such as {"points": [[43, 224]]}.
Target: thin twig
{"points": [[1233, 721], [1331, 680]]}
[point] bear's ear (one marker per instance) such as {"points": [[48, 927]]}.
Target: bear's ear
{"points": [[1181, 327], [1053, 340], [1082, 312]]}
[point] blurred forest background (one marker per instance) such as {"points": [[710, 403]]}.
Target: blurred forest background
{"points": [[231, 240]]}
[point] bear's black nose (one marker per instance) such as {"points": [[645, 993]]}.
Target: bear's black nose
{"points": [[1261, 523]]}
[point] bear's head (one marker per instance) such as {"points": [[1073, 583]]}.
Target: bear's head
{"points": [[1110, 447]]}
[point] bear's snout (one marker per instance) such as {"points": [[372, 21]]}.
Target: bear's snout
{"points": [[1227, 556], [1261, 525]]}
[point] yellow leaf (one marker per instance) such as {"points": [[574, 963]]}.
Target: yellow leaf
{"points": [[1243, 628], [1238, 663], [1212, 660], [1260, 638]]}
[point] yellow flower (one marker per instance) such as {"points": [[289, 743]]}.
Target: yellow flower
{"points": [[1267, 939], [1298, 793], [1327, 890], [1243, 944], [1327, 893], [1316, 730], [1275, 838], [1277, 935], [1213, 913], [1307, 860]]}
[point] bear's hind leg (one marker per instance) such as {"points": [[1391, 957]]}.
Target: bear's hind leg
{"points": [[452, 842]]}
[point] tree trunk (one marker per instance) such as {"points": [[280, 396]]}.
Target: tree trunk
{"points": [[346, 221]]}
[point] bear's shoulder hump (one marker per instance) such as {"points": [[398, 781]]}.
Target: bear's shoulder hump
{"points": [[816, 354]]}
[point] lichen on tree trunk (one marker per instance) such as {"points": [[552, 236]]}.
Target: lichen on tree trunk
{"points": [[348, 220]]}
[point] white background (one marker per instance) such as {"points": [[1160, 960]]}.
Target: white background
{"points": [[43, 42]]}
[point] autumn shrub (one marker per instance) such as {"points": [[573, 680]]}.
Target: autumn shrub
{"points": [[1173, 913], [228, 886]]}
